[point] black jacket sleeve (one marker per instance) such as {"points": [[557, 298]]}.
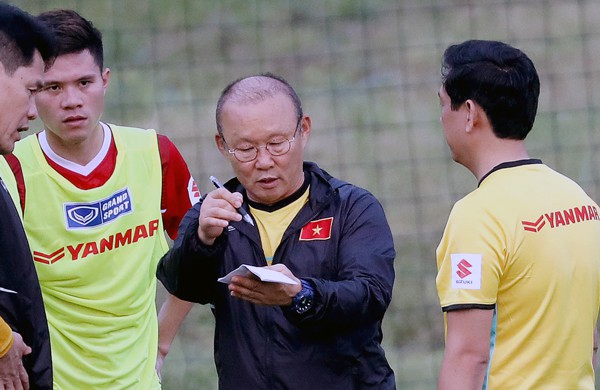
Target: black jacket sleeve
{"points": [[363, 289], [189, 269]]}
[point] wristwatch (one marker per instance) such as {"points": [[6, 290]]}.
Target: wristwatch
{"points": [[303, 301]]}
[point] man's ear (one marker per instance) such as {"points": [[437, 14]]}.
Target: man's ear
{"points": [[474, 113], [221, 145], [306, 127], [105, 79]]}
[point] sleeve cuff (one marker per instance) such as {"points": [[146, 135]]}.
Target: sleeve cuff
{"points": [[6, 338], [303, 301], [194, 245]]}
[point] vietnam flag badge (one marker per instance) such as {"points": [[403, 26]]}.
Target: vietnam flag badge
{"points": [[317, 230]]}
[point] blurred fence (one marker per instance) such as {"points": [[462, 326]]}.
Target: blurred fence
{"points": [[368, 74]]}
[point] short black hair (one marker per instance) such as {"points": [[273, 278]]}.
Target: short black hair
{"points": [[20, 36], [498, 77], [74, 34]]}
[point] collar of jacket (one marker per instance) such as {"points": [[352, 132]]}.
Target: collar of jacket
{"points": [[323, 189]]}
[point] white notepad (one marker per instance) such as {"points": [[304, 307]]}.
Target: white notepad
{"points": [[263, 273]]}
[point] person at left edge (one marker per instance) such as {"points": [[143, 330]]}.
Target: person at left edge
{"points": [[96, 198], [25, 358]]}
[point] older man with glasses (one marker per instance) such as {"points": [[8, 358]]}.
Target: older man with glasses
{"points": [[325, 242]]}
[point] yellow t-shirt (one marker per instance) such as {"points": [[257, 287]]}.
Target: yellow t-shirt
{"points": [[526, 243], [6, 337], [272, 224], [96, 253]]}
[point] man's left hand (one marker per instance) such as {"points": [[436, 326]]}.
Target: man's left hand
{"points": [[253, 290]]}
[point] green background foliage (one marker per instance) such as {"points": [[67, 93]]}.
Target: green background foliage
{"points": [[368, 74]]}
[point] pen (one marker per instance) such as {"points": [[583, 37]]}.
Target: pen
{"points": [[240, 209]]}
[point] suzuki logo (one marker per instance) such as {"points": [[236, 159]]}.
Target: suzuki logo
{"points": [[83, 214], [463, 269]]}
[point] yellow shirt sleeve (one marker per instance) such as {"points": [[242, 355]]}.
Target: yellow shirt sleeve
{"points": [[6, 337]]}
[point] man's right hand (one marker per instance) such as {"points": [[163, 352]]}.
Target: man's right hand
{"points": [[12, 371], [217, 209]]}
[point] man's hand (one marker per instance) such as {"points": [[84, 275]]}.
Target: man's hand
{"points": [[12, 372], [170, 316], [160, 359], [217, 209], [253, 290]]}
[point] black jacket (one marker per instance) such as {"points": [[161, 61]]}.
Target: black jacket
{"points": [[335, 345], [21, 304]]}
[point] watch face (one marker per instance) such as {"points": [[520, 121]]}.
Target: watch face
{"points": [[303, 301]]}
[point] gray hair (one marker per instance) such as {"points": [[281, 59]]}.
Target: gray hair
{"points": [[256, 88]]}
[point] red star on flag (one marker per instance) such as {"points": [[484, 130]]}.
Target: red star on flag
{"points": [[317, 230]]}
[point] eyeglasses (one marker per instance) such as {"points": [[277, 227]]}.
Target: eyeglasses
{"points": [[275, 148]]}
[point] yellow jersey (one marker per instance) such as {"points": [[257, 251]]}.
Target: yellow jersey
{"points": [[526, 244]]}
